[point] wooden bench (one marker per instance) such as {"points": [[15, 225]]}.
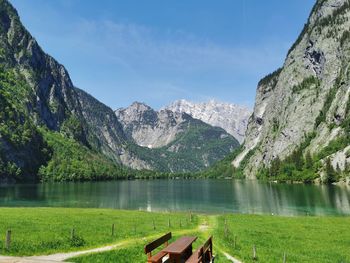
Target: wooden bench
{"points": [[157, 258], [203, 254]]}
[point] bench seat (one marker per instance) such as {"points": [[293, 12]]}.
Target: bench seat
{"points": [[196, 256], [204, 254], [157, 258]]}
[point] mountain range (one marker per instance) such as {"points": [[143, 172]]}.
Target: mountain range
{"points": [[188, 140], [51, 130], [299, 129]]}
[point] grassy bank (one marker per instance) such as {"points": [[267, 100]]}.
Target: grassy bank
{"points": [[303, 239], [48, 230]]}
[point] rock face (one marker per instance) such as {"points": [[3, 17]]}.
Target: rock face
{"points": [[232, 118], [175, 135], [149, 128], [306, 102]]}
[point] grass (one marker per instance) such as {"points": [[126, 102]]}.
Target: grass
{"points": [[47, 230], [135, 252], [303, 239]]}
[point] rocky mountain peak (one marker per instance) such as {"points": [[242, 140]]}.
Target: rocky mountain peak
{"points": [[176, 136], [231, 117]]}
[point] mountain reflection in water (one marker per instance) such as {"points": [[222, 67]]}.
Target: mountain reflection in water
{"points": [[202, 195]]}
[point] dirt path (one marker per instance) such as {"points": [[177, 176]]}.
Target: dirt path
{"points": [[206, 226], [59, 257]]}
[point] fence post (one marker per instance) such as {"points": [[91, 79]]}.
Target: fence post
{"points": [[234, 241], [226, 231], [154, 225], [180, 223], [169, 222], [72, 233], [113, 230], [190, 216], [8, 239], [254, 252]]}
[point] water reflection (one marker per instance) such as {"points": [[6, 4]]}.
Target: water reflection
{"points": [[239, 196]]}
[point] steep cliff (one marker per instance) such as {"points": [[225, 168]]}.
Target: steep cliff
{"points": [[301, 114]]}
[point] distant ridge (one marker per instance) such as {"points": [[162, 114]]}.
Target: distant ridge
{"points": [[231, 117]]}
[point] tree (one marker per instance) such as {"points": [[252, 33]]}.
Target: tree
{"points": [[275, 167], [297, 159], [338, 169], [347, 167], [308, 160], [330, 173]]}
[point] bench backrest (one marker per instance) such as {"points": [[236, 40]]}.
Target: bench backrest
{"points": [[208, 250], [199, 257], [158, 242]]}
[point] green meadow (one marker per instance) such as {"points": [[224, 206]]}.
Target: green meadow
{"points": [[41, 231], [37, 231]]}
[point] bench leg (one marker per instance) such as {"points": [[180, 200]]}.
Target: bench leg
{"points": [[188, 253], [175, 258]]}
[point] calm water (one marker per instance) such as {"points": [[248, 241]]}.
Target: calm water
{"points": [[213, 196]]}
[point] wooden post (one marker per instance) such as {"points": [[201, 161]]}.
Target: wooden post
{"points": [[154, 225], [72, 233], [190, 216], [226, 231], [113, 228], [8, 240], [180, 223], [169, 222], [234, 241], [284, 257], [254, 252]]}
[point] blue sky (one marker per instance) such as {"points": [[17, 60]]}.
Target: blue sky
{"points": [[157, 51]]}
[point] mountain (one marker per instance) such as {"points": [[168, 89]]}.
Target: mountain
{"points": [[51, 130], [40, 103], [232, 118], [300, 127], [175, 136]]}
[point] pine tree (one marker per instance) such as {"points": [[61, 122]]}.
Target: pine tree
{"points": [[308, 160], [330, 173], [338, 169], [275, 167], [347, 167]]}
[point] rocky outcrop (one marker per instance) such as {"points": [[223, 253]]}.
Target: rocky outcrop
{"points": [[306, 102], [150, 128], [232, 118]]}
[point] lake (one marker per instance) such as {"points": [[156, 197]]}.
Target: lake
{"points": [[201, 195]]}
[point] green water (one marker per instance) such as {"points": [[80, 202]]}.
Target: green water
{"points": [[210, 196]]}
